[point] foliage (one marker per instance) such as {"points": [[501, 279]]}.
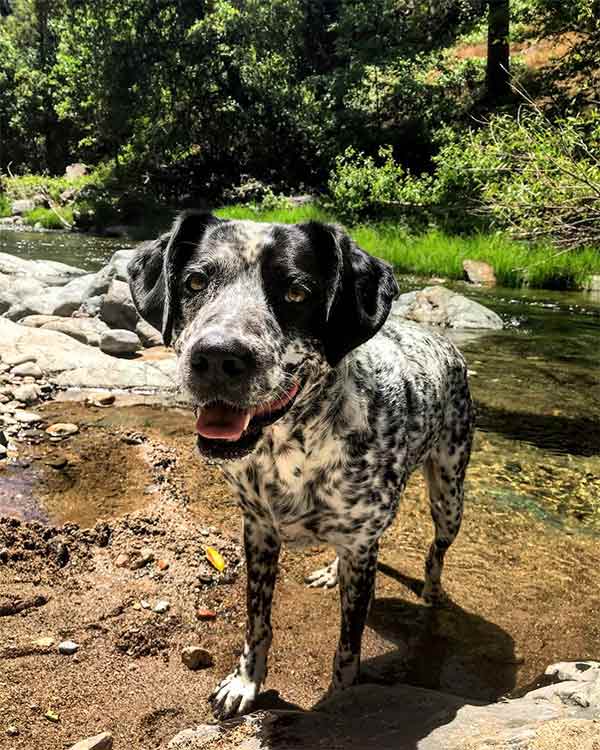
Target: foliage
{"points": [[4, 206], [49, 219], [539, 179]]}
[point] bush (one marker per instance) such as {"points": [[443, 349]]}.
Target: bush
{"points": [[538, 179], [361, 188], [4, 206]]}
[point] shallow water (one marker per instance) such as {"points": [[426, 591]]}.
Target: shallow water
{"points": [[536, 385]]}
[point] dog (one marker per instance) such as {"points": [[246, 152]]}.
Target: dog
{"points": [[317, 409]]}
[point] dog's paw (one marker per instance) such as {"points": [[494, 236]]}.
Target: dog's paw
{"points": [[324, 578], [234, 696], [433, 596]]}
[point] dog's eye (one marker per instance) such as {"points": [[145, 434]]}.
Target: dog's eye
{"points": [[196, 282], [296, 294]]}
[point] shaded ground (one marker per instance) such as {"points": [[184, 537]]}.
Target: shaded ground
{"points": [[524, 589]]}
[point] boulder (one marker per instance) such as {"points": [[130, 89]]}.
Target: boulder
{"points": [[479, 272], [436, 305], [119, 342], [21, 207], [90, 308], [63, 300], [13, 289], [398, 717], [69, 363], [48, 272], [148, 335], [87, 330], [41, 200], [117, 266], [37, 321], [118, 310]]}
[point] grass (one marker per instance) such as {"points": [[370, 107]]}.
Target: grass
{"points": [[4, 206], [47, 218], [438, 254]]}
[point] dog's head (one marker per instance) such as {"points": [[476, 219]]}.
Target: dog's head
{"points": [[252, 309]]}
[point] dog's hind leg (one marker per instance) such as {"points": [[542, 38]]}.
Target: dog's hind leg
{"points": [[324, 578], [445, 474]]}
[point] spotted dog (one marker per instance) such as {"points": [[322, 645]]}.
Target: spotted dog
{"points": [[317, 409]]}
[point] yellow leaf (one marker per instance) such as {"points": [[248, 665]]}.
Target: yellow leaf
{"points": [[215, 559]]}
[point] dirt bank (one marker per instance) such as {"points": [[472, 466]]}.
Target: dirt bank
{"points": [[525, 593]]}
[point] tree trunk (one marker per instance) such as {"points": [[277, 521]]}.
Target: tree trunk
{"points": [[498, 57]]}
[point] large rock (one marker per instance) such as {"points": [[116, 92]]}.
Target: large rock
{"points": [[13, 289], [117, 266], [118, 310], [148, 335], [87, 330], [63, 300], [78, 169], [119, 342], [48, 272], [436, 305], [401, 717], [69, 363]]}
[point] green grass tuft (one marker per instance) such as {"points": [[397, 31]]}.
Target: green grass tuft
{"points": [[4, 206], [47, 218]]}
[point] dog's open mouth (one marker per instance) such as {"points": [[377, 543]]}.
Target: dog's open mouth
{"points": [[226, 431]]}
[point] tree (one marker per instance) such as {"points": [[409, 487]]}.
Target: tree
{"points": [[498, 55]]}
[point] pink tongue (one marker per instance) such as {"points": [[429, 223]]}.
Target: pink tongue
{"points": [[222, 422]]}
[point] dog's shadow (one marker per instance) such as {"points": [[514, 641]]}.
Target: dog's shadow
{"points": [[458, 654]]}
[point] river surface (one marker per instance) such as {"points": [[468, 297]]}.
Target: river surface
{"points": [[536, 385]]}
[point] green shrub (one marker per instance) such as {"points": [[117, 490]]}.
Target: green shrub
{"points": [[4, 206]]}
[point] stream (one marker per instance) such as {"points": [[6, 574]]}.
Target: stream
{"points": [[536, 385]]}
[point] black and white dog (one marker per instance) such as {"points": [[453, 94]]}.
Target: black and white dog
{"points": [[318, 412]]}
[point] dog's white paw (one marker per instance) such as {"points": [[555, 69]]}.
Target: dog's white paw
{"points": [[234, 696], [324, 578]]}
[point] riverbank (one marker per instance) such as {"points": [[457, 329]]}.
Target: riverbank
{"points": [[85, 204]]}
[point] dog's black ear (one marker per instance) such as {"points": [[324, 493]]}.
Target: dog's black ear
{"points": [[360, 292], [154, 269]]}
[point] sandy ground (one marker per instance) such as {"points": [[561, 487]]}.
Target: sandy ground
{"points": [[523, 594]]}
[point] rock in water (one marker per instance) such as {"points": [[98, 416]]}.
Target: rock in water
{"points": [[102, 741], [478, 272], [436, 305]]}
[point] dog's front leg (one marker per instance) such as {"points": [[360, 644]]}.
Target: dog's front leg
{"points": [[356, 572], [238, 691]]}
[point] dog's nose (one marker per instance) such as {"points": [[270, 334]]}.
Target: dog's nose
{"points": [[219, 357]]}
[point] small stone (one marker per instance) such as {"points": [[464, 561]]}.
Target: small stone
{"points": [[161, 606], [162, 565], [122, 560], [51, 715], [27, 417], [136, 605], [27, 368], [146, 556], [195, 657], [106, 400], [68, 648], [46, 642], [62, 429], [4, 555], [145, 604], [102, 741], [12, 731], [28, 394], [206, 614], [56, 462]]}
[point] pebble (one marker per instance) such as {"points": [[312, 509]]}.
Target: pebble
{"points": [[62, 429], [162, 565], [27, 417], [56, 462], [206, 614], [28, 394], [122, 560], [145, 604], [161, 606], [12, 731], [146, 556], [195, 657], [27, 368], [68, 648], [102, 741]]}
